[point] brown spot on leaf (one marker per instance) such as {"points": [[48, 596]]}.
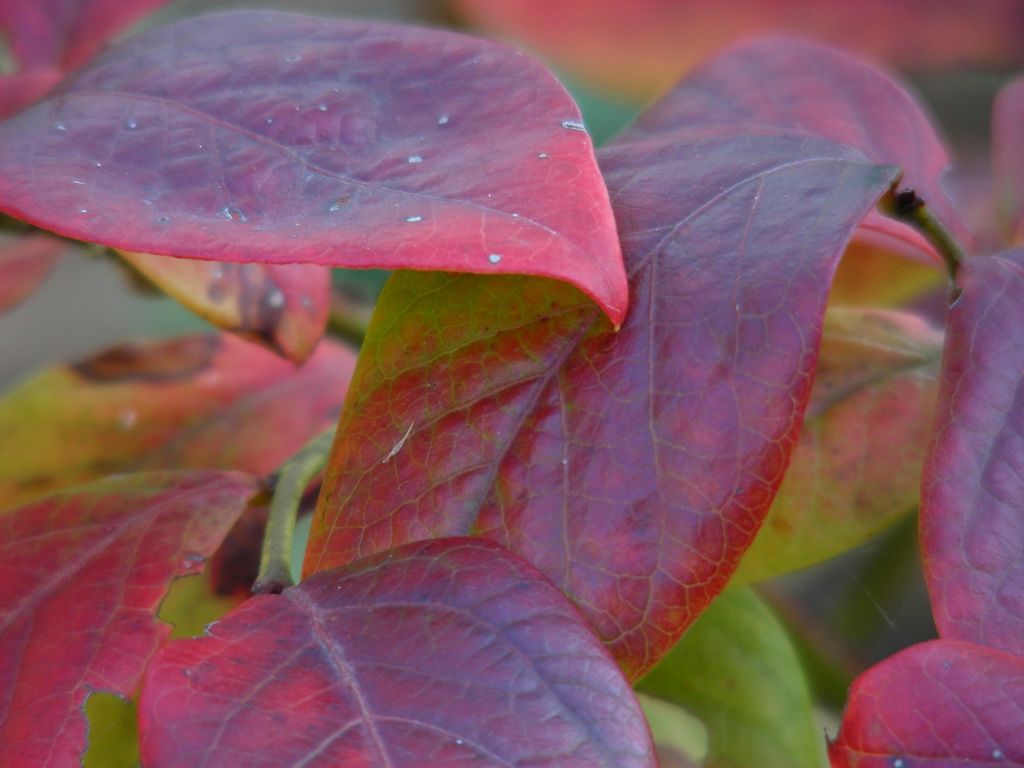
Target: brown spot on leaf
{"points": [[167, 361]]}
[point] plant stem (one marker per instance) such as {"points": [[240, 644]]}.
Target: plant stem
{"points": [[292, 479], [905, 205]]}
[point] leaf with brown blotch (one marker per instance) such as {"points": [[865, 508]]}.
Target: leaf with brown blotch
{"points": [[25, 262], [204, 402], [632, 468], [282, 306], [1008, 159], [443, 653], [857, 466], [941, 704], [278, 138], [972, 531], [82, 574]]}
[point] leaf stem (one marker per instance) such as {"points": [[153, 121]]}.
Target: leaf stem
{"points": [[905, 205], [290, 483]]}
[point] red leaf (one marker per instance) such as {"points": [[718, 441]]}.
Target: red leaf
{"points": [[19, 90], [280, 138], [972, 533], [443, 653], [632, 468], [82, 574], [65, 33], [806, 88], [282, 306], [642, 47], [1008, 158], [942, 704], [24, 264], [196, 402]]}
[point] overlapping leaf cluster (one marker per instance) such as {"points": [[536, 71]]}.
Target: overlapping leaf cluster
{"points": [[573, 411]]}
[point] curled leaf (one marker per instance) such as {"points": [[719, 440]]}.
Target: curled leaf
{"points": [[283, 306]]}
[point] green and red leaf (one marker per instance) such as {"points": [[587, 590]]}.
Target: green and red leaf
{"points": [[204, 402], [444, 653], [280, 138], [857, 465], [82, 574], [632, 468]]}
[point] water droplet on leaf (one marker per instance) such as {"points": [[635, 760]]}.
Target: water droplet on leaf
{"points": [[574, 125], [494, 258], [275, 299], [415, 159], [413, 219]]}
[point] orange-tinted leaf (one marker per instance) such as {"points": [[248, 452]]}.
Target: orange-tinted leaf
{"points": [[65, 33], [881, 276], [25, 261], [641, 47], [942, 704], [857, 466], [1008, 159], [283, 306], [633, 468], [972, 531], [82, 574], [199, 401], [445, 653], [280, 138]]}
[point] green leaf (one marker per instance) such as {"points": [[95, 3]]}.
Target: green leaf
{"points": [[857, 465], [736, 670]]}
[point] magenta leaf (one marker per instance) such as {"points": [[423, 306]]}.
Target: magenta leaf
{"points": [[444, 653], [82, 574], [1008, 158], [632, 468], [279, 138], [972, 533], [65, 33], [941, 704], [807, 88]]}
